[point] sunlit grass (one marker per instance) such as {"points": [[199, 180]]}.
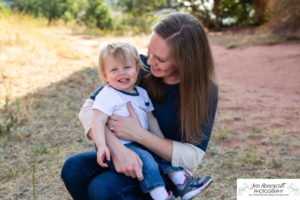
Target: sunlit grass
{"points": [[37, 55]]}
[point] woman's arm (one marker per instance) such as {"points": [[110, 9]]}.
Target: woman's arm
{"points": [[86, 117], [187, 155], [180, 154], [153, 125]]}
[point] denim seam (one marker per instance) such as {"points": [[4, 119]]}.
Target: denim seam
{"points": [[171, 170]]}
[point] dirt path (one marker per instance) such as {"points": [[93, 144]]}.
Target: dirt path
{"points": [[259, 87]]}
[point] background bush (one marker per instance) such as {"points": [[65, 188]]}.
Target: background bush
{"points": [[138, 16]]}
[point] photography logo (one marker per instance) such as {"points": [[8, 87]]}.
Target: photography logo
{"points": [[268, 189]]}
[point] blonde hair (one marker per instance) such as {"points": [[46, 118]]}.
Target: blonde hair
{"points": [[191, 52], [121, 51]]}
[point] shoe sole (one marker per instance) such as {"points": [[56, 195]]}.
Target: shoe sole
{"points": [[194, 193]]}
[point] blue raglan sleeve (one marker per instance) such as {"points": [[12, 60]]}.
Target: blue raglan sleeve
{"points": [[207, 129], [95, 93]]}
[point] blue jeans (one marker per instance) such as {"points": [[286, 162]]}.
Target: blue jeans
{"points": [[85, 179], [152, 165]]}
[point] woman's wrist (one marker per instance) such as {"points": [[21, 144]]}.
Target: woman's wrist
{"points": [[160, 146], [139, 136], [113, 143]]}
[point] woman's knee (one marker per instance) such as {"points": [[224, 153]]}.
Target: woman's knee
{"points": [[78, 165], [68, 168], [102, 188], [96, 191], [112, 185]]}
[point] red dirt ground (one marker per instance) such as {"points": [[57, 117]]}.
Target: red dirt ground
{"points": [[260, 85]]}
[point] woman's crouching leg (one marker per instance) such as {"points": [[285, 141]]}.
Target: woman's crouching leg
{"points": [[78, 171], [112, 185]]}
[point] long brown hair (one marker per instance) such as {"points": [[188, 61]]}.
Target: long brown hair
{"points": [[192, 54]]}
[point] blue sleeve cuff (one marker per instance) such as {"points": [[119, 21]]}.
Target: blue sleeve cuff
{"points": [[95, 93]]}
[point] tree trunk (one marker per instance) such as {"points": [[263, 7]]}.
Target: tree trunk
{"points": [[260, 7], [217, 21]]}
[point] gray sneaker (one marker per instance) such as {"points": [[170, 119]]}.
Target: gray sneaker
{"points": [[193, 186]]}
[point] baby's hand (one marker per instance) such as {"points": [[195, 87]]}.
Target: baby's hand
{"points": [[103, 152]]}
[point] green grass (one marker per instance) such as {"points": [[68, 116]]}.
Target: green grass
{"points": [[222, 134]]}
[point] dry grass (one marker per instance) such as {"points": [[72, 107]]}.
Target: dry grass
{"points": [[40, 73], [46, 74], [36, 55], [248, 37]]}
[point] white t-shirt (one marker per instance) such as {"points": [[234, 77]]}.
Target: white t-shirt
{"points": [[112, 101]]}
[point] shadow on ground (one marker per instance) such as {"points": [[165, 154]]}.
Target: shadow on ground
{"points": [[47, 131]]}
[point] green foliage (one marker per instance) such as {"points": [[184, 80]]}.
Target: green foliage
{"points": [[54, 10], [241, 11], [3, 6], [139, 16], [220, 13], [75, 10], [4, 9], [131, 24], [98, 15], [141, 7], [93, 13], [51, 9]]}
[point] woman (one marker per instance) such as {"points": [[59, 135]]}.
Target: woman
{"points": [[180, 82]]}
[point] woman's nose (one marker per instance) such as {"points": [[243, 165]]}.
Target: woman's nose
{"points": [[150, 60]]}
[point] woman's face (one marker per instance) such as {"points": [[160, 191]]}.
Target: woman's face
{"points": [[160, 60]]}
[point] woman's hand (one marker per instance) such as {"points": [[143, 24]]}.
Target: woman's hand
{"points": [[125, 160], [126, 127], [129, 163]]}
